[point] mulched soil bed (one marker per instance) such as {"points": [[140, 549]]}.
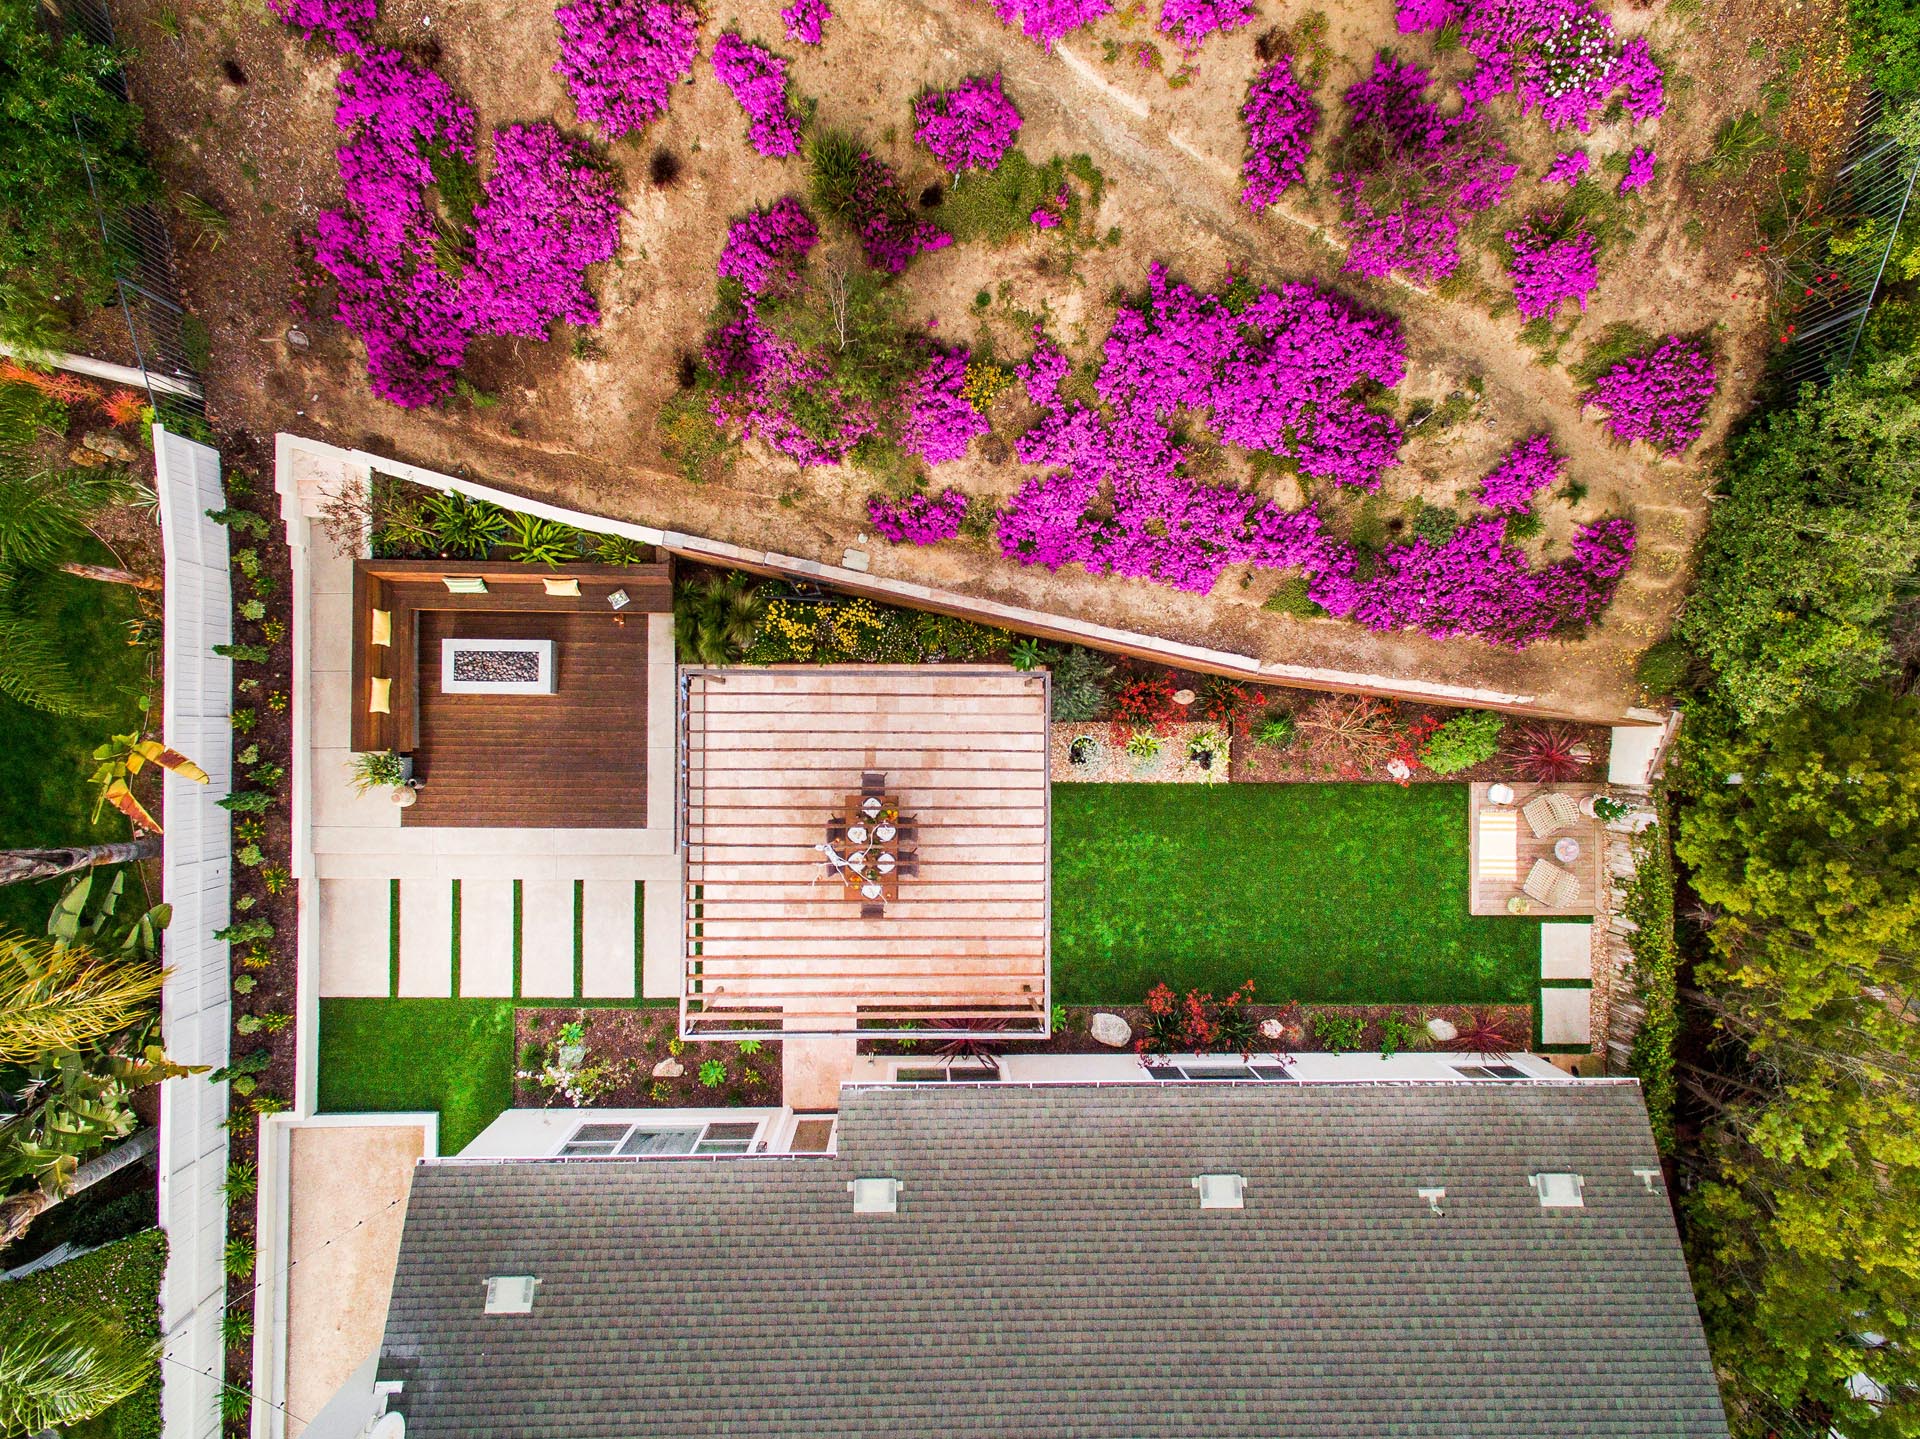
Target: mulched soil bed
{"points": [[1301, 761], [633, 1041], [1072, 1038]]}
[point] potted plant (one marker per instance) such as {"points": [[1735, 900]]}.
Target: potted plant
{"points": [[1605, 808], [1083, 751], [382, 769], [1208, 750]]}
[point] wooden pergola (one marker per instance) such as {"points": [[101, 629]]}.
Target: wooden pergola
{"points": [[775, 940]]}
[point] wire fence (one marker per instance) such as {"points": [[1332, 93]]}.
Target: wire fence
{"points": [[1873, 190], [162, 334]]}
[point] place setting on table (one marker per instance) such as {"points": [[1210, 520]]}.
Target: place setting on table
{"points": [[869, 845]]}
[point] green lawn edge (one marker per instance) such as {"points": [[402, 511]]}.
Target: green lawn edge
{"points": [[453, 1056]]}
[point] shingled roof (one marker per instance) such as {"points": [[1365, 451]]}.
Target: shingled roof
{"points": [[1049, 1272]]}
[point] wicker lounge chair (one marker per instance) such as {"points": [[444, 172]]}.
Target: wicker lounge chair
{"points": [[1550, 813], [1552, 885]]}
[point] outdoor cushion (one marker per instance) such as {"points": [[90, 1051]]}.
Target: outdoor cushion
{"points": [[381, 700], [566, 588], [383, 627], [1499, 844], [464, 584]]}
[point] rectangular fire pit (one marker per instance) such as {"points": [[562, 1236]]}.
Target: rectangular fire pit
{"points": [[478, 667]]}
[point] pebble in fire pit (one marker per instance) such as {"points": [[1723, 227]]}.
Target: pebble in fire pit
{"points": [[498, 666]]}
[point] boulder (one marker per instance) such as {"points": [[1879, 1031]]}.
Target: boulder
{"points": [[1441, 1031], [1272, 1029], [1110, 1030], [87, 459], [105, 442], [669, 1068]]}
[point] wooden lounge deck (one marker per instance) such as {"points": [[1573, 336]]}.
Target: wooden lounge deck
{"points": [[1494, 880], [773, 940], [576, 758]]}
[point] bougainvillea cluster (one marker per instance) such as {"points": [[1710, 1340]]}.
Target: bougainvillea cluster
{"points": [[1549, 270], [1660, 397], [1047, 20], [805, 20], [940, 421], [1191, 21], [757, 78], [1530, 467], [765, 250], [1567, 169], [968, 127], [1272, 369], [881, 217], [1280, 117], [1558, 56], [1639, 169], [341, 23], [622, 58], [547, 212], [1408, 176], [919, 519]]}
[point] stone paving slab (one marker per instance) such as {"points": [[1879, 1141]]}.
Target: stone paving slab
{"points": [[1566, 951], [426, 939], [486, 938], [357, 950], [546, 939], [607, 956], [1566, 1016]]}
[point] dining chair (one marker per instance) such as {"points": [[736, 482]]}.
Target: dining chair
{"points": [[873, 911], [872, 782]]}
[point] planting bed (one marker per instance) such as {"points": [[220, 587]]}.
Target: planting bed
{"points": [[581, 422], [630, 1043]]}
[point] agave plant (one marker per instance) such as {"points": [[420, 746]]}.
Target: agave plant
{"points": [[716, 617], [1546, 753], [1484, 1031]]}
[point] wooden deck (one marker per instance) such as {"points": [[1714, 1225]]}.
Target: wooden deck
{"points": [[772, 940], [1494, 883], [575, 759]]}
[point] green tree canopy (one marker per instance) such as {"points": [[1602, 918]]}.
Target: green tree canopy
{"points": [[1805, 555]]}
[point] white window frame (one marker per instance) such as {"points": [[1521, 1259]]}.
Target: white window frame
{"points": [[1485, 1071], [705, 1142], [1206, 1069]]}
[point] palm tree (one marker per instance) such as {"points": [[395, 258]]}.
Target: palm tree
{"points": [[57, 996], [18, 866], [66, 1369], [716, 617]]}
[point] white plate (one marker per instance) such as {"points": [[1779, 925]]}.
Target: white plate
{"points": [[857, 833], [885, 864], [870, 808], [870, 891], [884, 832]]}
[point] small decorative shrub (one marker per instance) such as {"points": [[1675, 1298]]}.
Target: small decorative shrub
{"points": [[1191, 21], [1025, 655], [757, 79], [622, 58], [805, 20], [1047, 20], [940, 422], [1081, 678], [1639, 170], [968, 127], [1274, 731], [1530, 467], [1567, 168], [713, 1073], [380, 770], [1463, 742], [1545, 754], [1396, 1034], [766, 248], [1607, 809], [1195, 1024], [1280, 118], [1660, 397], [1338, 1033], [1143, 745], [918, 519], [1549, 270], [1666, 668]]}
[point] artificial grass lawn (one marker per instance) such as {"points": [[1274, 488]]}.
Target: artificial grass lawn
{"points": [[1322, 893], [451, 1055], [122, 1278], [45, 759]]}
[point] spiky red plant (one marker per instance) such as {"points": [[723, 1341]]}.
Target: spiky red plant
{"points": [[1484, 1032], [1545, 753]]}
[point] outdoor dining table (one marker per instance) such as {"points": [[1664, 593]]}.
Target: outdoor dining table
{"points": [[872, 862]]}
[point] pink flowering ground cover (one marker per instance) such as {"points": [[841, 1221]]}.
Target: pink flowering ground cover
{"points": [[1660, 397], [766, 249], [1560, 57], [882, 219], [1280, 117], [1639, 170], [1411, 177], [919, 519], [1046, 21], [547, 212], [757, 79], [968, 127], [1567, 169], [1530, 467], [1548, 270], [341, 23], [940, 423], [1191, 21], [805, 20], [622, 58]]}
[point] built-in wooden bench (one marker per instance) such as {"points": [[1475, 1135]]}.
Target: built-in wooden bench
{"points": [[402, 589]]}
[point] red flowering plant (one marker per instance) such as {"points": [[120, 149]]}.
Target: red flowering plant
{"points": [[1196, 1023], [1145, 703], [1231, 706], [1410, 740]]}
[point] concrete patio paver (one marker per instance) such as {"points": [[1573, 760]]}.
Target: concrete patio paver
{"points": [[1566, 1016], [607, 939], [426, 939], [1566, 951], [486, 938], [356, 958], [546, 939]]}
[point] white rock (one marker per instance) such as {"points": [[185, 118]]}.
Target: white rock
{"points": [[1441, 1030], [669, 1068], [1110, 1030], [1272, 1029]]}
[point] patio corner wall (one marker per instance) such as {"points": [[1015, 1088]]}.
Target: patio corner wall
{"points": [[196, 1002]]}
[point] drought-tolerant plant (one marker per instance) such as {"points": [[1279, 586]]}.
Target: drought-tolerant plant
{"points": [[1545, 753], [765, 249], [713, 1073], [1143, 745], [1639, 169], [1530, 467], [380, 769], [1048, 20], [622, 58], [1396, 1034], [1550, 269], [940, 422], [537, 541], [1025, 654], [1484, 1031], [1281, 118], [1191, 21], [1081, 679], [1567, 168], [1338, 1033], [918, 519], [716, 617], [1660, 397], [460, 527], [240, 1182], [1193, 1023], [757, 78], [1274, 731], [1463, 742], [968, 127], [805, 19]]}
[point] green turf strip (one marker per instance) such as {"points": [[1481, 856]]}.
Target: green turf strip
{"points": [[450, 1055], [1323, 893]]}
